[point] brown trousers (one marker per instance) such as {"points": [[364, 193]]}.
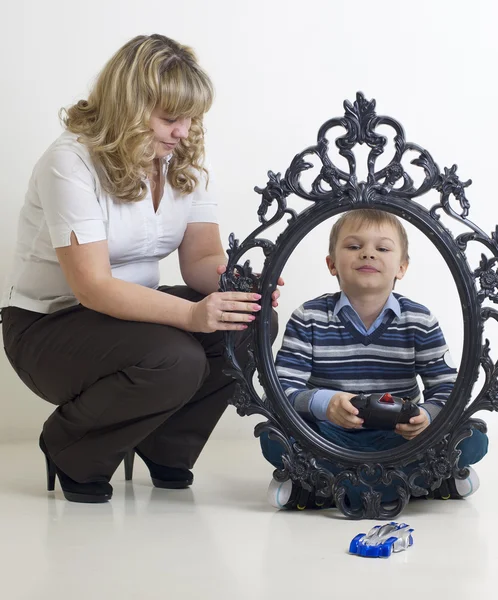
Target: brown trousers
{"points": [[120, 385]]}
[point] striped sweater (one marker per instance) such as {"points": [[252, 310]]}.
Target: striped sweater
{"points": [[321, 350]]}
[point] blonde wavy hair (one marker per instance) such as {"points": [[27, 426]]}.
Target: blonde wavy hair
{"points": [[147, 72]]}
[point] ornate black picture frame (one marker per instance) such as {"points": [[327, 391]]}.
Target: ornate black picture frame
{"points": [[334, 191]]}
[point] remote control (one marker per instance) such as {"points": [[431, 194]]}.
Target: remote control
{"points": [[384, 411]]}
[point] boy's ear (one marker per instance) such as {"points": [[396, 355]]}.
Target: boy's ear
{"points": [[331, 266], [402, 270]]}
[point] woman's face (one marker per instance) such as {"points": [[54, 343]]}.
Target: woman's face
{"points": [[168, 131]]}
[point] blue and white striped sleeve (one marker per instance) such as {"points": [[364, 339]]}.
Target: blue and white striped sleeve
{"points": [[294, 364], [434, 365]]}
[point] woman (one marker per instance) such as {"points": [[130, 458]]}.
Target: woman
{"points": [[85, 324]]}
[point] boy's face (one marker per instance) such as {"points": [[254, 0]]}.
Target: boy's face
{"points": [[367, 259]]}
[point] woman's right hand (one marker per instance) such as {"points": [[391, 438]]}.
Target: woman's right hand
{"points": [[225, 311], [341, 412]]}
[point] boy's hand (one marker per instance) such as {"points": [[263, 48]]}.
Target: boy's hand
{"points": [[341, 412], [414, 427]]}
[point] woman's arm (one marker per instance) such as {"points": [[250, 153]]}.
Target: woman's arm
{"points": [[88, 272], [200, 254], [202, 259]]}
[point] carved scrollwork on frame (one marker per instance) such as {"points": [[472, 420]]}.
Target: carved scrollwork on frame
{"points": [[418, 467]]}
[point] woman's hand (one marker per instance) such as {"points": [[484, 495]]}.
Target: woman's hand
{"points": [[226, 311], [275, 295]]}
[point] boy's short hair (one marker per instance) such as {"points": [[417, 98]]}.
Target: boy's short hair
{"points": [[369, 216]]}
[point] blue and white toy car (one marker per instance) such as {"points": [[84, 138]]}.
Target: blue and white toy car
{"points": [[382, 540]]}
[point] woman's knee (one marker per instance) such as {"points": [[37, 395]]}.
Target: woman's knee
{"points": [[177, 355]]}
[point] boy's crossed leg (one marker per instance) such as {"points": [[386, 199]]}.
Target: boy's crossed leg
{"points": [[284, 495]]}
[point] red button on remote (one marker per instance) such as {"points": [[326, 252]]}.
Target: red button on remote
{"points": [[387, 399]]}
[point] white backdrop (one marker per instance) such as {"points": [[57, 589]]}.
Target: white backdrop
{"points": [[280, 68]]}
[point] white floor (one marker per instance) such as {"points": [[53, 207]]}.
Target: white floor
{"points": [[220, 539]]}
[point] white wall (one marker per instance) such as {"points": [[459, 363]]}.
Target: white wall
{"points": [[281, 68]]}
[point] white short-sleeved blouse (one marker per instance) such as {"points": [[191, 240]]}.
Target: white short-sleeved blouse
{"points": [[64, 195]]}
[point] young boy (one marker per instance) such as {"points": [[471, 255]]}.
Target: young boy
{"points": [[365, 339]]}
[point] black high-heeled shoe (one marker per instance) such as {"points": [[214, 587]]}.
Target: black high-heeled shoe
{"points": [[171, 478], [94, 492]]}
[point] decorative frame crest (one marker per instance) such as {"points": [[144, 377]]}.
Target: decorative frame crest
{"points": [[334, 191]]}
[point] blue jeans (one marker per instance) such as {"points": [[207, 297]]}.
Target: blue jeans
{"points": [[372, 440]]}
